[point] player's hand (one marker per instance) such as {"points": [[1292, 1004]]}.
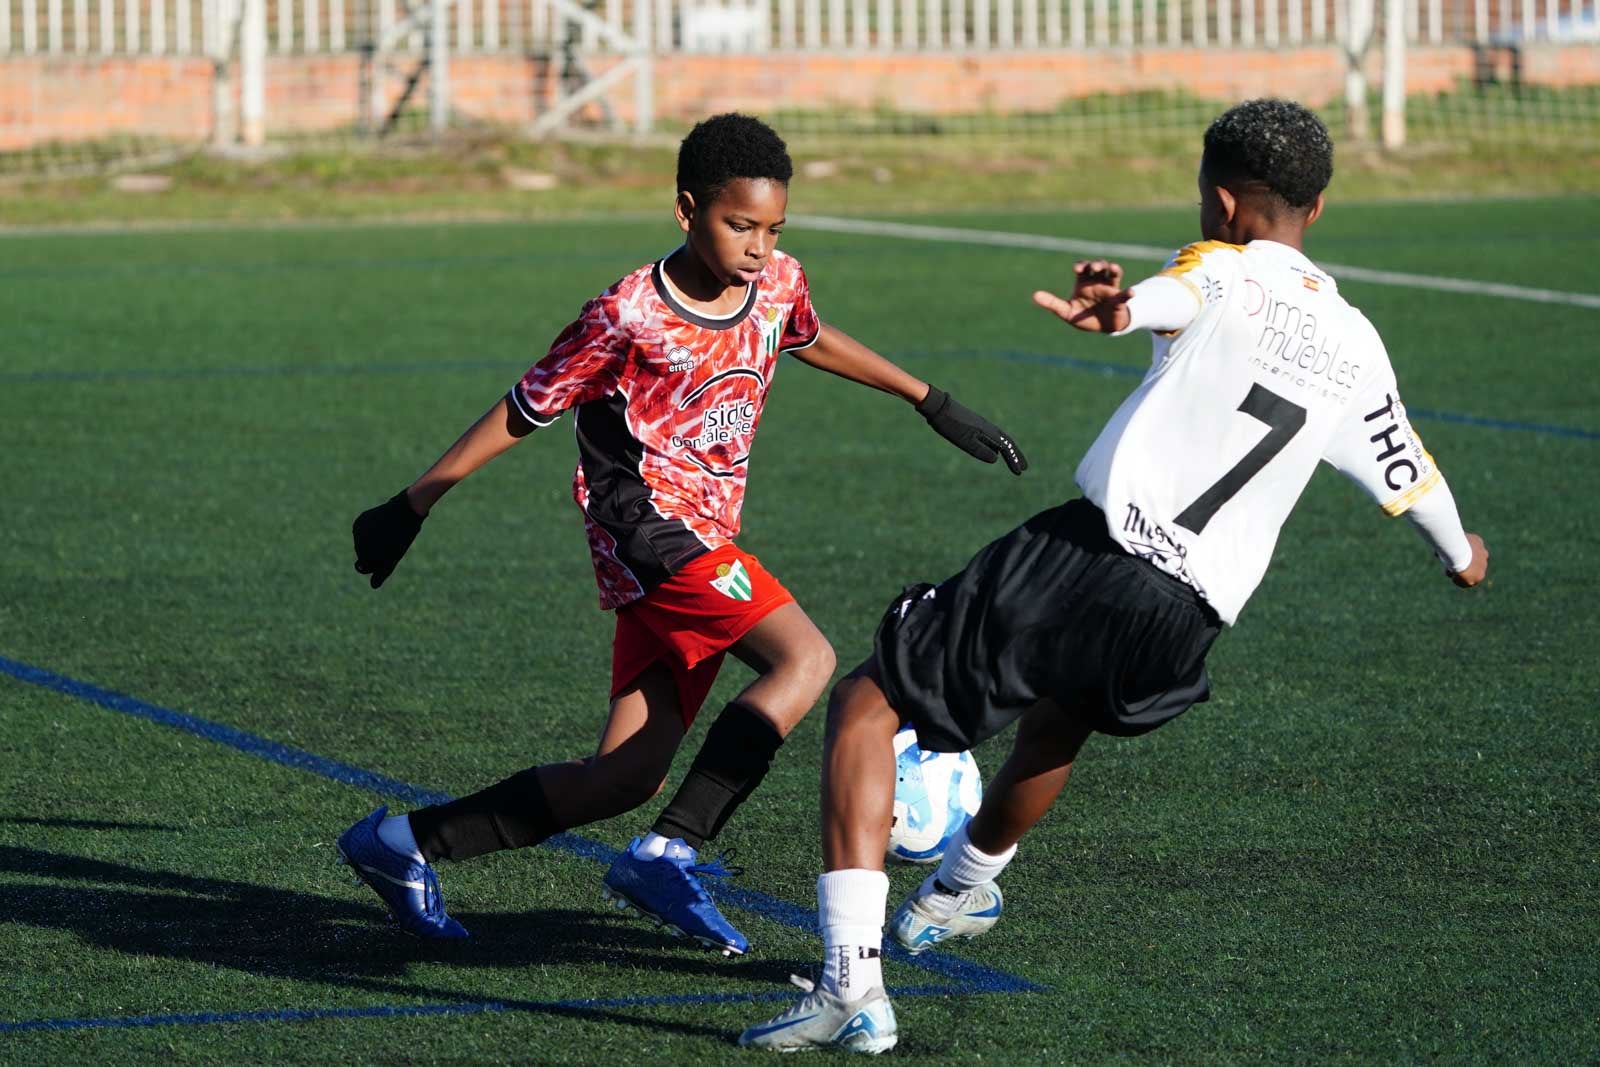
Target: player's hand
{"points": [[382, 535], [969, 431], [1474, 572], [1098, 303]]}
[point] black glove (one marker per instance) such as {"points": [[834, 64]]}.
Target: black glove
{"points": [[382, 535], [969, 431]]}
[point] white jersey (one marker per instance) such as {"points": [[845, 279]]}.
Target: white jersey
{"points": [[1199, 468]]}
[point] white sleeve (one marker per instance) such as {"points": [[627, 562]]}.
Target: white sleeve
{"points": [[1160, 303], [1378, 450], [1200, 272], [1437, 520]]}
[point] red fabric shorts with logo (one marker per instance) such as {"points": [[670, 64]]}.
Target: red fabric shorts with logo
{"points": [[690, 620]]}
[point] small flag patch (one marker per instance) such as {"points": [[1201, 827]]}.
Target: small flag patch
{"points": [[1311, 283], [732, 580]]}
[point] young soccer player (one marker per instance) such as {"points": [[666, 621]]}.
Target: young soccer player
{"points": [[1097, 615], [666, 373]]}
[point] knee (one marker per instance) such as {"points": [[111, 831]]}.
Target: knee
{"points": [[814, 664], [791, 682], [801, 676], [812, 667], [645, 790], [855, 704], [621, 785], [627, 795], [839, 701]]}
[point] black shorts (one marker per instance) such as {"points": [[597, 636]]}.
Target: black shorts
{"points": [[1054, 609]]}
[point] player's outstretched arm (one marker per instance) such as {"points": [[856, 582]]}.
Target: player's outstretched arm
{"points": [[384, 533], [495, 431], [838, 353], [1098, 303], [1378, 449]]}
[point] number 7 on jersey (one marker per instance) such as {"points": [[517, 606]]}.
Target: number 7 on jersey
{"points": [[1284, 417]]}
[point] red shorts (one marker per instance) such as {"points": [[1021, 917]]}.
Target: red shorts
{"points": [[690, 620]]}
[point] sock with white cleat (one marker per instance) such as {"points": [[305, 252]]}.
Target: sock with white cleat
{"points": [[850, 908], [965, 867]]}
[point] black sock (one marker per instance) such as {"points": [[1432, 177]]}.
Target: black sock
{"points": [[509, 814], [738, 750]]}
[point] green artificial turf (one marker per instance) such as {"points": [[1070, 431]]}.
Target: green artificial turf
{"points": [[1375, 843]]}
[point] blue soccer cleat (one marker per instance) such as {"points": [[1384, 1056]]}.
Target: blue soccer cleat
{"points": [[406, 885], [822, 1020], [668, 890], [925, 919]]}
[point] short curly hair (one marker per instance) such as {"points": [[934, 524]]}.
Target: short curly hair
{"points": [[1277, 145], [725, 148]]}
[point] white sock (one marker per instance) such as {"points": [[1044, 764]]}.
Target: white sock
{"points": [[395, 831], [851, 906], [651, 846], [965, 867]]}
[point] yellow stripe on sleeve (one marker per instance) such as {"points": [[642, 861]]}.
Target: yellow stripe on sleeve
{"points": [[1187, 284], [1402, 503], [1188, 257]]}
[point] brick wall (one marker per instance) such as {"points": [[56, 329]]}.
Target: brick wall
{"points": [[82, 99], [60, 99]]}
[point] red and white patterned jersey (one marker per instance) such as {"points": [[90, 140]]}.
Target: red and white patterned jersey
{"points": [[666, 401]]}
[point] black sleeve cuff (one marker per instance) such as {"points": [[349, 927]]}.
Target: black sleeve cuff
{"points": [[520, 406], [932, 404], [807, 343]]}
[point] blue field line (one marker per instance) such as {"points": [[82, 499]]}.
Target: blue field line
{"points": [[249, 743], [1504, 424], [1105, 368], [1127, 370], [392, 1011], [365, 266], [973, 976], [510, 368]]}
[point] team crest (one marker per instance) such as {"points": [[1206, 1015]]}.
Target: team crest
{"points": [[732, 580], [771, 331]]}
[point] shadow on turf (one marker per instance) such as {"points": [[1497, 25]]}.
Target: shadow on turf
{"points": [[283, 933]]}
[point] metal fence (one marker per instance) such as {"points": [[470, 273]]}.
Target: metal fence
{"points": [[362, 69], [199, 27]]}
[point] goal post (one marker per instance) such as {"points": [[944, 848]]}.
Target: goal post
{"points": [[1394, 74]]}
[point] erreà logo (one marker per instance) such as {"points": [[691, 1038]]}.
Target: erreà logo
{"points": [[732, 580], [679, 358], [771, 331]]}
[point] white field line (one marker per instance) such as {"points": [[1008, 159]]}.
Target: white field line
{"points": [[420, 220], [1046, 243]]}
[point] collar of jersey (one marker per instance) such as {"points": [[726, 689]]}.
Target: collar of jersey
{"points": [[1295, 255], [664, 291], [1261, 244]]}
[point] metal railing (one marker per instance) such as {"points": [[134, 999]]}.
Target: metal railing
{"points": [[197, 27]]}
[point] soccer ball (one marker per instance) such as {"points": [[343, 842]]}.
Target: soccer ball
{"points": [[935, 793]]}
